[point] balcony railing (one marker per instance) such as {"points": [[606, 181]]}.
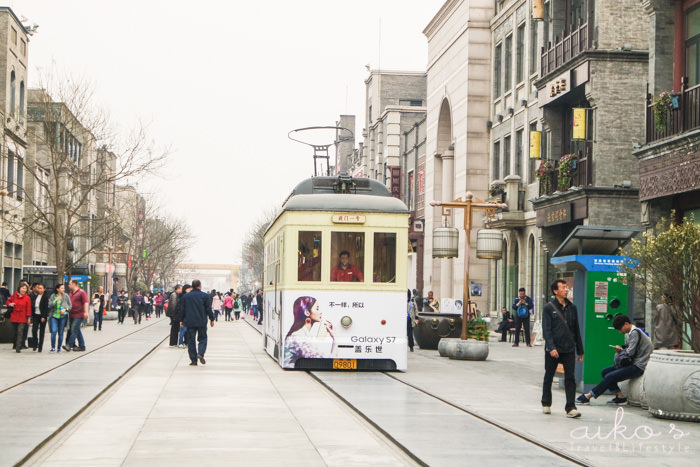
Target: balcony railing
{"points": [[682, 117], [580, 177], [565, 50]]}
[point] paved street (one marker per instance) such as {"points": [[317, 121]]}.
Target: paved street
{"points": [[242, 409]]}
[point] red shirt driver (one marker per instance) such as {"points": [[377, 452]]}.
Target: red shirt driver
{"points": [[344, 271]]}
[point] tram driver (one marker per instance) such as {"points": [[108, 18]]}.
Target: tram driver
{"points": [[344, 271]]}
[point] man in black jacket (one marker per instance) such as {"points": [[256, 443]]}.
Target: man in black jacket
{"points": [[196, 308], [522, 305], [562, 338], [259, 302], [174, 315], [40, 315]]}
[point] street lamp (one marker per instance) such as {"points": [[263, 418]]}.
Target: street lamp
{"points": [[468, 204]]}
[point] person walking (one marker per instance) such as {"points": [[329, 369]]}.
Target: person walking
{"points": [[137, 307], [98, 310], [171, 313], [196, 308], [237, 307], [639, 348], [40, 315], [228, 306], [159, 300], [216, 304], [523, 307], [411, 318], [59, 306], [122, 306], [562, 338], [21, 315], [259, 302], [182, 336], [79, 312]]}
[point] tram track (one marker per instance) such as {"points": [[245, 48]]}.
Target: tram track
{"points": [[480, 418], [81, 355]]}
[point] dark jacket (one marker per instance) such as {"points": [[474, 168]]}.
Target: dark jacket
{"points": [[259, 301], [173, 310], [196, 308], [43, 303], [555, 332], [528, 303]]}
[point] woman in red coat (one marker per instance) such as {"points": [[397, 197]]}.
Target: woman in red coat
{"points": [[21, 315]]}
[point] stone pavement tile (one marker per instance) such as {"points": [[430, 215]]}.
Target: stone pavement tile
{"points": [[232, 411], [27, 364], [507, 388], [74, 384]]}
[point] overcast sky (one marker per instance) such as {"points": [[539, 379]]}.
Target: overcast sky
{"points": [[223, 82]]}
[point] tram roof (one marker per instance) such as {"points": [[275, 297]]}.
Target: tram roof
{"points": [[356, 195], [345, 203]]}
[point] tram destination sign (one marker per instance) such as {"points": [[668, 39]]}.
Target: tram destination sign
{"points": [[348, 219]]}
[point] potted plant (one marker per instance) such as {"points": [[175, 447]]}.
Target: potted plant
{"points": [[669, 263], [477, 329], [662, 106], [544, 172], [497, 189], [567, 165]]}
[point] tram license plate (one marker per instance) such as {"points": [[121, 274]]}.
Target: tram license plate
{"points": [[344, 364]]}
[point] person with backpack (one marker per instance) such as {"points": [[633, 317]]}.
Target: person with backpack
{"points": [[638, 347], [522, 305]]}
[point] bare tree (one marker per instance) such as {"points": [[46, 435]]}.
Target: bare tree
{"points": [[75, 161], [252, 253]]}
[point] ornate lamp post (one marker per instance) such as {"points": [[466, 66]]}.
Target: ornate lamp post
{"points": [[468, 204]]}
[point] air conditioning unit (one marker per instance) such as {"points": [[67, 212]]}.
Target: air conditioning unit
{"points": [[418, 226]]}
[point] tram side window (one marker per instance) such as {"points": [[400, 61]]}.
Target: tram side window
{"points": [[348, 257], [309, 256], [384, 263]]}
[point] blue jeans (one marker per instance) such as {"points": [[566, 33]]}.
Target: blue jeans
{"points": [[612, 376], [181, 337], [75, 331], [57, 325], [201, 332], [98, 317]]}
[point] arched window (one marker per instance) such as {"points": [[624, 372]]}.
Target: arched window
{"points": [[21, 99], [12, 93]]}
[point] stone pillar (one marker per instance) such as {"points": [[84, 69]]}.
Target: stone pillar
{"points": [[512, 192], [447, 265]]}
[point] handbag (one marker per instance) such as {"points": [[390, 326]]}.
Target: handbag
{"points": [[622, 359]]}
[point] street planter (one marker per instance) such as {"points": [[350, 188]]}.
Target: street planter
{"points": [[432, 327], [672, 385]]}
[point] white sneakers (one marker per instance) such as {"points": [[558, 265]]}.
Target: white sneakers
{"points": [[573, 413]]}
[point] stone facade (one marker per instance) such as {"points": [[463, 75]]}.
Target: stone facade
{"points": [[13, 111], [457, 144]]}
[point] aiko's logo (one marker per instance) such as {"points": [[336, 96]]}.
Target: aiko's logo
{"points": [[628, 439]]}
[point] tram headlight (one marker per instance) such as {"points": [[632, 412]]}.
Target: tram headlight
{"points": [[346, 321]]}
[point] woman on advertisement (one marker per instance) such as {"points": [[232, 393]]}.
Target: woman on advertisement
{"points": [[310, 336]]}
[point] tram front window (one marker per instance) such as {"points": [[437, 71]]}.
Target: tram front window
{"points": [[348, 250], [384, 257], [309, 256]]}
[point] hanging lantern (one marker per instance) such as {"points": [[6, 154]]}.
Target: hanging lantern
{"points": [[489, 244], [120, 269], [445, 242], [100, 269]]}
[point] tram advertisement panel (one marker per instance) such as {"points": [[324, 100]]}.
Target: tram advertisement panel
{"points": [[374, 326]]}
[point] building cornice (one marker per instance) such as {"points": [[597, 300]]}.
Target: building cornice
{"points": [[441, 17]]}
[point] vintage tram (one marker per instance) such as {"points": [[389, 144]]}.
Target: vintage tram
{"points": [[335, 274]]}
